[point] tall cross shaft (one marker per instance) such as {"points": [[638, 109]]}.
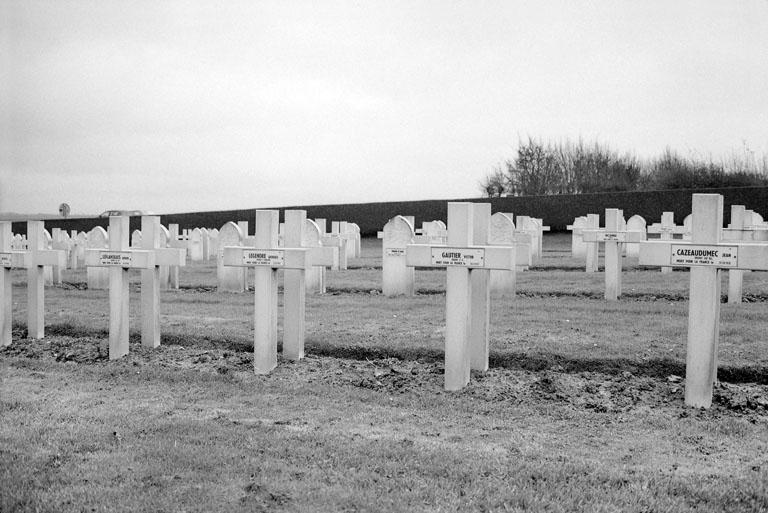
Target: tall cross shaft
{"points": [[35, 259], [8, 259]]}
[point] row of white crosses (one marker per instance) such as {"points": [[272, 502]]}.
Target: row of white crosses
{"points": [[706, 254]]}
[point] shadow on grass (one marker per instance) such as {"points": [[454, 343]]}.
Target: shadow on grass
{"points": [[532, 362]]}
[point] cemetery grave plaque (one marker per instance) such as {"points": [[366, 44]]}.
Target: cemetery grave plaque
{"points": [[462, 257], [695, 254]]}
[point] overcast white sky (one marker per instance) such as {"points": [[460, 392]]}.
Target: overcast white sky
{"points": [[179, 106]]}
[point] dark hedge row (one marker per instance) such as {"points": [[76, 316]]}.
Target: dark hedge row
{"points": [[557, 210]]}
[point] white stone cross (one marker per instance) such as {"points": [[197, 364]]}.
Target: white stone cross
{"points": [[119, 258], [466, 303], [8, 259], [612, 236], [266, 258], [35, 259], [667, 229], [706, 254], [150, 278]]}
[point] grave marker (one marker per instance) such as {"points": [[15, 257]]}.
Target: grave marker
{"points": [[97, 277], [315, 277], [230, 279], [119, 258], [613, 236], [266, 258], [35, 259], [151, 241], [8, 260], [635, 223], [460, 258], [397, 277], [592, 251], [667, 231], [502, 233], [578, 248], [706, 255]]}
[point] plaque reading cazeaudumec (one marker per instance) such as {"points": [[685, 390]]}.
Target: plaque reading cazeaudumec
{"points": [[264, 257], [5, 260], [115, 258], [395, 251], [700, 254], [460, 257]]}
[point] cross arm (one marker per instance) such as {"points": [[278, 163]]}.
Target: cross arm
{"points": [[747, 234], [323, 256], [44, 257], [170, 256]]}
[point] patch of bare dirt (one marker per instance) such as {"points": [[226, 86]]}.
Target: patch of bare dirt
{"points": [[584, 390]]}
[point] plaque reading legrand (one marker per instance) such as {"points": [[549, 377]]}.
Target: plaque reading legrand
{"points": [[691, 254], [265, 257], [395, 251], [115, 258], [462, 257], [5, 260]]}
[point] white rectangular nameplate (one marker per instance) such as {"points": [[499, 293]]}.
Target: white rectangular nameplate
{"points": [[462, 257], [115, 258], [264, 257], [6, 260], [690, 254], [395, 252], [612, 236]]}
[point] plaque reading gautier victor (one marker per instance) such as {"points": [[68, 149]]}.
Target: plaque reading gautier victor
{"points": [[265, 257], [693, 254], [462, 257], [5, 260], [115, 258]]}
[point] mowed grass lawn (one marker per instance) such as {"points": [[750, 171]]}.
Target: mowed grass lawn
{"points": [[582, 409]]}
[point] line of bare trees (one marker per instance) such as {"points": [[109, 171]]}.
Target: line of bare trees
{"points": [[571, 168]]}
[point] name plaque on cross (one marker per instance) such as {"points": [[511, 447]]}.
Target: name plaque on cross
{"points": [[691, 254], [459, 257], [265, 257], [116, 259], [6, 260], [612, 236], [396, 252]]}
